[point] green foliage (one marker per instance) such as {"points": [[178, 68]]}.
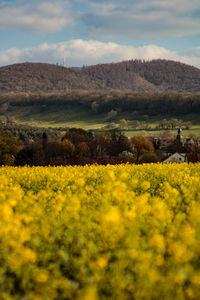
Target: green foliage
{"points": [[149, 158], [27, 134], [78, 135], [112, 115], [126, 154], [123, 124], [9, 146], [174, 123]]}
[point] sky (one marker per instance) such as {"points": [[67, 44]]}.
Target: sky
{"points": [[88, 32]]}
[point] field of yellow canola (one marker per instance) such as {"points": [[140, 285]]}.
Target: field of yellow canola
{"points": [[96, 232]]}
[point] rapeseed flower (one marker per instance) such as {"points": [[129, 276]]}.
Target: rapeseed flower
{"points": [[100, 232]]}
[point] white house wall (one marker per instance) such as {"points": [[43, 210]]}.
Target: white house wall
{"points": [[176, 157]]}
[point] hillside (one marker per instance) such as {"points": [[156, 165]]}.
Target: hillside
{"points": [[41, 77], [137, 75], [160, 75]]}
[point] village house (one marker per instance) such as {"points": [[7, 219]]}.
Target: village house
{"points": [[175, 157], [182, 150], [181, 158]]}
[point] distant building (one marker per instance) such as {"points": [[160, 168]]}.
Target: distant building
{"points": [[181, 150], [175, 157], [180, 144], [180, 141]]}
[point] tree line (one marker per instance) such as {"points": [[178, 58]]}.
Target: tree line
{"points": [[105, 102], [75, 147], [164, 124], [27, 134], [79, 147]]}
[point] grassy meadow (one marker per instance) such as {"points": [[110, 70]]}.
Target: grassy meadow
{"points": [[82, 117]]}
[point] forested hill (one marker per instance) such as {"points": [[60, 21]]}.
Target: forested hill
{"points": [[134, 75], [41, 77], [163, 75]]}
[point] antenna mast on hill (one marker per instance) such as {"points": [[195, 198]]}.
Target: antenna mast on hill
{"points": [[64, 60]]}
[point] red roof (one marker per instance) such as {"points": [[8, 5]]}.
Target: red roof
{"points": [[193, 157]]}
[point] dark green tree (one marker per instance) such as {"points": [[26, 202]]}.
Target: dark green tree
{"points": [[9, 147]]}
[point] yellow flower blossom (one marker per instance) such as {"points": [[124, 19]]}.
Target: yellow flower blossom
{"points": [[42, 276], [102, 262], [157, 242], [100, 232], [28, 255]]}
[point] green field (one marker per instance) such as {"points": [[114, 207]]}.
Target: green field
{"points": [[82, 117], [57, 116]]}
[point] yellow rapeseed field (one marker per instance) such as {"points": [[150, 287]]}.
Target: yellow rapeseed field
{"points": [[100, 232]]}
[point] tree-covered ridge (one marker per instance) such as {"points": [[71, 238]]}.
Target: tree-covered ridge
{"points": [[119, 76], [155, 75], [105, 102], [167, 75], [133, 75], [41, 77]]}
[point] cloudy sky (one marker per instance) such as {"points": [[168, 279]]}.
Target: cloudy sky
{"points": [[85, 32]]}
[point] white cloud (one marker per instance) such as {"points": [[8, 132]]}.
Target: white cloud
{"points": [[80, 52], [35, 16], [125, 19], [105, 19], [193, 52]]}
